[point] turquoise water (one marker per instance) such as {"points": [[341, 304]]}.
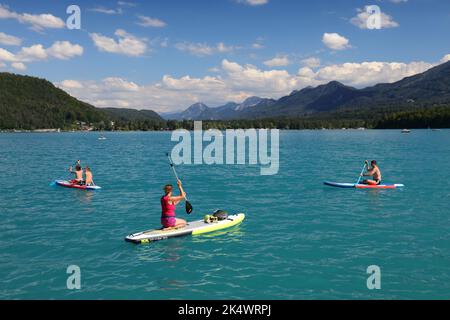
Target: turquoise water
{"points": [[301, 240]]}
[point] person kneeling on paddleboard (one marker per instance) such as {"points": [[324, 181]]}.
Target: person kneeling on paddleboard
{"points": [[374, 172], [168, 204]]}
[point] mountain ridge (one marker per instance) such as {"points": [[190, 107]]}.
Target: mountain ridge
{"points": [[420, 90]]}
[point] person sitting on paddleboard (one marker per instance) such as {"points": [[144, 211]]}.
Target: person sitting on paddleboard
{"points": [[168, 203], [78, 174], [374, 172], [89, 178]]}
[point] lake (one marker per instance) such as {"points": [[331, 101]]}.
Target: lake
{"points": [[300, 240]]}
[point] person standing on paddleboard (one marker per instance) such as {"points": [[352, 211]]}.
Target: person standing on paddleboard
{"points": [[168, 204], [374, 172]]}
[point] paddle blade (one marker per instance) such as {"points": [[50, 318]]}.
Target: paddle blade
{"points": [[189, 207]]}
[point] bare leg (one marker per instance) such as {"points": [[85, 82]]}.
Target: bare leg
{"points": [[371, 182], [180, 223]]}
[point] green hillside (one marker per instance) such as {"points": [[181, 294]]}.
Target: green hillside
{"points": [[28, 103], [118, 114], [32, 103], [422, 101]]}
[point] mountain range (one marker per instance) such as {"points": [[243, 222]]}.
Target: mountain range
{"points": [[421, 100], [229, 111], [422, 90]]}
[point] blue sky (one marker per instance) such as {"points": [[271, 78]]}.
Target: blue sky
{"points": [[166, 55]]}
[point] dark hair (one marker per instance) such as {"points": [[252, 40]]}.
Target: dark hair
{"points": [[168, 188], [77, 167], [374, 162]]}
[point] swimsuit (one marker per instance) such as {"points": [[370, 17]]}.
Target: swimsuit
{"points": [[168, 219], [377, 182]]}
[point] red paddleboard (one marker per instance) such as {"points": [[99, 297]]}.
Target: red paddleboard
{"points": [[73, 185], [363, 186]]}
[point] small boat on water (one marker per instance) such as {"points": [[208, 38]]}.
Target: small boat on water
{"points": [[406, 131], [102, 138]]}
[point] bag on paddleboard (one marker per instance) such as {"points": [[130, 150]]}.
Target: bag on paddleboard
{"points": [[218, 215], [221, 215]]}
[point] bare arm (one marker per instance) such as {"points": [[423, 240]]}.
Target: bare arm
{"points": [[368, 172], [182, 195]]}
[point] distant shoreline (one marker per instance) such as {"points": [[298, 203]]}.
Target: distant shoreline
{"points": [[131, 131]]}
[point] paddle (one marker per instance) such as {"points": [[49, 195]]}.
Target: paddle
{"points": [[362, 172], [68, 177], [189, 207]]}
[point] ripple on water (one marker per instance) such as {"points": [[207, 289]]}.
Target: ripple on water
{"points": [[300, 239]]}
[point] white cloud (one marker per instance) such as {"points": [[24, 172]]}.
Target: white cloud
{"points": [[118, 11], [126, 4], [257, 46], [65, 50], [259, 43], [363, 16], [19, 66], [203, 49], [38, 22], [369, 73], [2, 65], [164, 43], [446, 58], [62, 50], [71, 84], [214, 69], [261, 82], [193, 84], [278, 61], [311, 62], [221, 47], [8, 40], [5, 55], [235, 83], [119, 84], [127, 44], [151, 22], [335, 41], [107, 10], [33, 53], [254, 2]]}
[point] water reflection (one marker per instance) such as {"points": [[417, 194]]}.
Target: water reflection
{"points": [[85, 198], [173, 250], [236, 234], [166, 250]]}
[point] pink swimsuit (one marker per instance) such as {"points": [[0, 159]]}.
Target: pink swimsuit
{"points": [[168, 219]]}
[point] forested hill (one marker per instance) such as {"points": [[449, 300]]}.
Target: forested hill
{"points": [[33, 103], [120, 114], [30, 103]]}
